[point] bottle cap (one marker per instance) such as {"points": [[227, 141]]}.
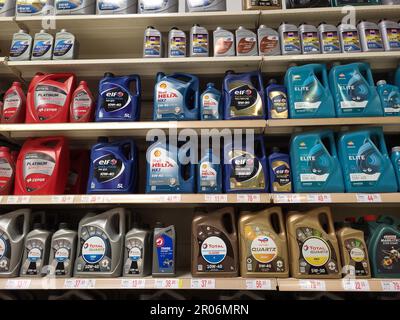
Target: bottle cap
{"points": [[381, 82], [159, 224], [108, 74], [37, 225], [370, 218], [396, 149], [350, 219], [16, 84], [275, 150], [63, 225]]}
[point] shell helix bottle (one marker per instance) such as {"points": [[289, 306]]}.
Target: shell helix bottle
{"points": [[263, 245], [313, 249], [209, 172]]}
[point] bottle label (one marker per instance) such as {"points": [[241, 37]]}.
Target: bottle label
{"points": [[2, 4], [41, 48], [61, 261], [393, 37], [109, 173], [134, 252], [116, 98], [49, 101], [33, 264], [223, 45], [6, 172], [269, 44], [307, 94], [18, 48], [12, 105], [5, 252], [62, 47], [30, 6], [164, 170], [310, 42], [177, 47], [152, 46], [358, 258], [354, 92], [374, 39], [279, 107], [68, 5], [200, 43], [246, 45], [387, 259], [330, 41], [391, 101], [169, 100], [208, 176], [38, 170], [245, 100], [281, 180], [291, 42], [165, 252], [351, 41], [110, 4], [210, 106], [81, 105]]}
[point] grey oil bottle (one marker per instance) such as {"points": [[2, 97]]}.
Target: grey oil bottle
{"points": [[309, 39], [268, 41], [246, 42], [390, 32], [36, 253], [199, 42], [7, 8], [152, 43], [21, 46], [164, 251], [370, 36], [224, 43], [63, 251], [65, 46], [176, 43], [42, 46], [100, 244], [329, 38], [290, 40], [14, 227]]}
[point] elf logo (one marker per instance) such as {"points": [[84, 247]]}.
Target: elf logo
{"points": [[114, 94], [246, 92], [160, 242], [243, 161], [108, 161]]}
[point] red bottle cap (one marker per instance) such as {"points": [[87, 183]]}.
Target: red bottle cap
{"points": [[370, 218], [350, 219], [16, 84]]}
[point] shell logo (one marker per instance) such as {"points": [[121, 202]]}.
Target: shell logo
{"points": [[163, 85], [204, 166], [206, 97], [157, 153]]}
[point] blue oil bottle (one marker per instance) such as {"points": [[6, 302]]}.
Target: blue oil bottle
{"points": [[211, 103], [390, 98]]}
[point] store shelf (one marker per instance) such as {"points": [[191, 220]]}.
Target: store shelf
{"points": [[337, 198]]}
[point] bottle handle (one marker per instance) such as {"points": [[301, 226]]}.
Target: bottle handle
{"points": [[327, 212], [136, 79], [26, 214], [231, 212]]}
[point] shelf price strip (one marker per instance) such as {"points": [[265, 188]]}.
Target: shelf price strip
{"points": [[80, 283], [62, 199], [18, 284], [390, 285], [319, 198], [216, 198], [92, 199], [369, 198], [313, 285], [355, 285], [18, 199], [257, 284], [133, 283], [287, 198], [248, 198], [202, 284], [168, 283], [171, 198]]}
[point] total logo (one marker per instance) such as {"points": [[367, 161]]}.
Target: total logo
{"points": [[247, 92], [93, 250], [61, 255], [357, 254], [213, 250], [316, 251], [160, 242], [114, 94], [264, 249], [108, 161]]}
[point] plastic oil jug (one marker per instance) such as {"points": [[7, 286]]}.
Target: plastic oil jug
{"points": [[63, 251], [211, 103], [246, 42], [329, 38], [14, 227], [279, 172], [396, 163], [14, 107], [349, 39], [308, 92], [315, 164], [33, 7], [199, 44], [354, 92], [7, 8], [42, 167], [113, 167], [65, 46], [390, 98], [36, 252], [354, 252], [276, 96], [68, 7], [7, 171], [116, 6], [245, 167], [243, 96], [176, 97], [215, 244], [165, 173], [82, 104], [118, 101], [49, 98], [209, 172], [290, 40], [205, 5], [268, 41], [78, 172], [100, 244], [42, 46], [366, 163], [313, 249], [176, 43], [164, 251], [157, 6], [309, 39], [370, 36], [224, 43], [21, 46], [390, 32], [152, 43], [263, 245]]}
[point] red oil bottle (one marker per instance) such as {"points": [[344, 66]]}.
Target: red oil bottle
{"points": [[78, 172], [82, 104], [7, 171], [14, 105]]}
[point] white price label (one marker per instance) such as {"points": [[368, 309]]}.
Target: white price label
{"points": [[319, 198], [18, 199], [62, 199], [171, 198], [313, 285], [168, 283], [93, 199], [390, 285], [216, 198], [133, 283], [80, 283], [287, 198], [1, 199], [355, 285], [248, 198], [364, 197], [258, 284], [202, 284], [18, 283]]}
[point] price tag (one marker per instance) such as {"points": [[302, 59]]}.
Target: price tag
{"points": [[390, 285], [168, 283], [248, 198], [18, 283], [313, 285], [202, 284], [18, 199], [258, 284], [133, 283], [62, 199], [355, 285], [1, 199], [373, 197], [171, 198], [319, 198], [93, 199], [287, 198], [80, 283], [216, 198]]}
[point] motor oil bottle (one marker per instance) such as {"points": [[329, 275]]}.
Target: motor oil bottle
{"points": [[63, 251], [313, 248], [246, 42], [354, 252], [33, 7], [42, 46], [14, 107], [348, 37], [176, 43], [314, 163], [7, 8], [279, 172], [176, 97], [329, 38], [36, 252], [49, 98], [215, 244], [309, 39], [21, 46], [277, 103], [113, 167], [366, 163], [390, 98], [164, 251], [268, 41], [42, 167], [384, 247], [205, 5], [165, 172], [138, 251], [101, 245], [209, 174], [7, 171], [71, 7], [263, 245], [211, 103], [152, 43], [243, 96], [116, 6], [82, 104], [308, 92], [370, 36], [199, 43], [118, 101], [290, 40], [390, 32], [65, 46], [245, 167], [224, 43], [151, 6], [396, 163], [78, 172], [354, 92]]}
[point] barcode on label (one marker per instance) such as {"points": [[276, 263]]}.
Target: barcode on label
{"points": [[18, 283], [363, 197], [248, 198], [79, 283], [133, 283], [257, 284], [202, 284], [319, 198], [390, 285], [62, 199], [287, 198], [172, 198], [216, 198], [168, 284], [355, 285], [314, 285]]}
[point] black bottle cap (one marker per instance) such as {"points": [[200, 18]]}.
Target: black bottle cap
{"points": [[275, 150], [63, 225], [37, 225], [108, 74], [159, 224]]}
